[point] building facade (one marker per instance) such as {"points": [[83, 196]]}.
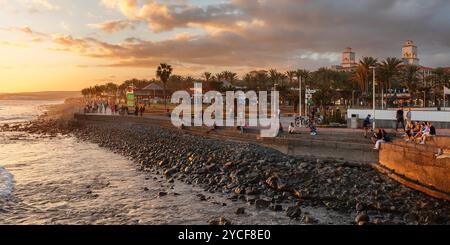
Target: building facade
{"points": [[410, 54], [348, 63]]}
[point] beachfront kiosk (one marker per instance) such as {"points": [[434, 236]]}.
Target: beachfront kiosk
{"points": [[131, 101]]}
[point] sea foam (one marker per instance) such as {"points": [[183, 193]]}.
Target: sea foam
{"points": [[6, 183]]}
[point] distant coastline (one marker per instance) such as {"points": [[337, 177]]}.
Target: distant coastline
{"points": [[47, 95]]}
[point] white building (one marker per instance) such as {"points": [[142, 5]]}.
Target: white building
{"points": [[348, 61], [410, 54]]}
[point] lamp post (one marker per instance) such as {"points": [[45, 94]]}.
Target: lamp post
{"points": [[424, 99], [300, 96], [374, 99]]}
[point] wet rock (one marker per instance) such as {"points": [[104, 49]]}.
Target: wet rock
{"points": [[276, 208], [162, 194], [308, 219], [262, 204], [362, 218], [224, 221], [202, 197], [294, 212], [253, 192], [260, 172], [240, 211], [239, 191], [220, 221], [275, 183], [360, 207]]}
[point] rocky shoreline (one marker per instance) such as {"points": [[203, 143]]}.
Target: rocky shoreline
{"points": [[257, 175]]}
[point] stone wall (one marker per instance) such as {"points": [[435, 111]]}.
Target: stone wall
{"points": [[418, 163]]}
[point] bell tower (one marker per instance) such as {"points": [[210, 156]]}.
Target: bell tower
{"points": [[409, 53], [348, 58]]}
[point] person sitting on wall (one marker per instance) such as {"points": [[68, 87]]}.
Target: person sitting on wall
{"points": [[409, 131], [367, 125], [416, 129], [312, 128], [291, 128], [280, 130], [379, 138], [423, 129], [429, 131]]}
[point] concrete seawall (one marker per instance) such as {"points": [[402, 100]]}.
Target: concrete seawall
{"points": [[346, 146], [417, 166]]}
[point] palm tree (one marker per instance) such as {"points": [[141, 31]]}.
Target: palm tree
{"points": [[164, 71], [366, 63], [389, 68], [86, 92], [303, 75], [207, 77], [441, 79], [360, 78], [229, 76], [291, 75], [111, 89], [411, 78], [275, 77], [219, 77]]}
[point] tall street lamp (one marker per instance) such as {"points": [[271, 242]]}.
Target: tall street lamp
{"points": [[424, 99], [374, 99], [300, 96]]}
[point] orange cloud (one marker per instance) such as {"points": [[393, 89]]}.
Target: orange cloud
{"points": [[113, 26]]}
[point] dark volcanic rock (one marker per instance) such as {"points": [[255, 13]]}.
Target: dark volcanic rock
{"points": [[362, 218], [294, 212], [261, 204], [254, 173], [240, 211], [162, 194]]}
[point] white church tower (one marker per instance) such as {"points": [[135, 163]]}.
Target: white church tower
{"points": [[348, 59], [409, 53]]}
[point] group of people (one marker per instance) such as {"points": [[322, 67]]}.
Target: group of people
{"points": [[312, 128], [101, 106], [139, 110], [417, 132], [112, 108]]}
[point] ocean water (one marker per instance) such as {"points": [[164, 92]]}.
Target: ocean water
{"points": [[13, 111], [61, 180]]}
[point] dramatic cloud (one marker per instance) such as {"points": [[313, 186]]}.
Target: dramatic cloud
{"points": [[113, 26], [288, 31], [285, 34]]}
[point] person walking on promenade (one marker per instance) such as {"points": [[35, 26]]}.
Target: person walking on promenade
{"points": [[400, 118], [409, 116], [367, 125], [142, 110], [312, 128]]}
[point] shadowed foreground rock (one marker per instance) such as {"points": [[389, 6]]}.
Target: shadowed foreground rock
{"points": [[260, 175]]}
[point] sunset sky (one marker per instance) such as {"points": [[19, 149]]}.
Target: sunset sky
{"points": [[67, 45]]}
